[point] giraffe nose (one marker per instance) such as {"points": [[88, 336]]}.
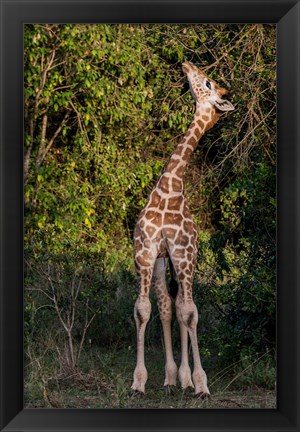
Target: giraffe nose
{"points": [[224, 93], [228, 95], [187, 66]]}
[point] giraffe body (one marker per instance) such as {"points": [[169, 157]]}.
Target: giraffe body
{"points": [[164, 232]]}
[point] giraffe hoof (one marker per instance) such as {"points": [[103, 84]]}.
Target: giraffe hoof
{"points": [[136, 393], [203, 396], [188, 389], [170, 389]]}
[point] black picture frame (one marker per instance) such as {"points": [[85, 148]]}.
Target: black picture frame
{"points": [[14, 14]]}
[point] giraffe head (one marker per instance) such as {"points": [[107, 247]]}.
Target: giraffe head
{"points": [[205, 90]]}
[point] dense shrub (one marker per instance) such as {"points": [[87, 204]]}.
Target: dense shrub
{"points": [[104, 107]]}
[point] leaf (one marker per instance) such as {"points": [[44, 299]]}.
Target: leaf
{"points": [[88, 223]]}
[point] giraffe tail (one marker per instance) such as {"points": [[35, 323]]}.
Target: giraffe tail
{"points": [[173, 284]]}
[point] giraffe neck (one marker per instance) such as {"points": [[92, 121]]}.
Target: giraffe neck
{"points": [[171, 180]]}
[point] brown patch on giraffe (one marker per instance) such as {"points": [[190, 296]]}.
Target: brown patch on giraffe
{"points": [[147, 243], [139, 317], [178, 253], [169, 233], [146, 281], [181, 276], [155, 198], [155, 217], [187, 154], [142, 223], [197, 133], [180, 171], [162, 204], [172, 219], [192, 141], [189, 257], [214, 120], [138, 246], [174, 203], [176, 185], [188, 226], [137, 269], [164, 184], [159, 293], [183, 265], [190, 249], [189, 280], [150, 230], [150, 214], [158, 236], [163, 298], [188, 271], [188, 133], [178, 150], [201, 124], [182, 241], [144, 259], [157, 220], [187, 213], [138, 238], [173, 164]]}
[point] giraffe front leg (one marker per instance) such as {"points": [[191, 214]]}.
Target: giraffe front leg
{"points": [[142, 310]]}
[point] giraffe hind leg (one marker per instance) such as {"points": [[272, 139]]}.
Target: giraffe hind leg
{"points": [[164, 302], [184, 371]]}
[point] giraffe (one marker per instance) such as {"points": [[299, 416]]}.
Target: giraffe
{"points": [[165, 234]]}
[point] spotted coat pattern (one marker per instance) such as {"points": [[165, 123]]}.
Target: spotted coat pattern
{"points": [[165, 231]]}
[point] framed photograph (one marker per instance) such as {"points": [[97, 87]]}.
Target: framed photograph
{"points": [[150, 144]]}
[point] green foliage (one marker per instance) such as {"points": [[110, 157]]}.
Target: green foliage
{"points": [[104, 107], [261, 372]]}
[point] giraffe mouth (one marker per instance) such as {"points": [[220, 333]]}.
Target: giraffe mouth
{"points": [[192, 92], [223, 105]]}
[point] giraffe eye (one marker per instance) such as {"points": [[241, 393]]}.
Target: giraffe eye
{"points": [[208, 85]]}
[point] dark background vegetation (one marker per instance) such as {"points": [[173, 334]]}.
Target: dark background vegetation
{"points": [[104, 107]]}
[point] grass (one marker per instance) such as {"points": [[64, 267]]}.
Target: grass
{"points": [[105, 377]]}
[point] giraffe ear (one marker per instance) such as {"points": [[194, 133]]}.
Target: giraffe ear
{"points": [[223, 105]]}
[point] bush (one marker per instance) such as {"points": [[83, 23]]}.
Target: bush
{"points": [[104, 107]]}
